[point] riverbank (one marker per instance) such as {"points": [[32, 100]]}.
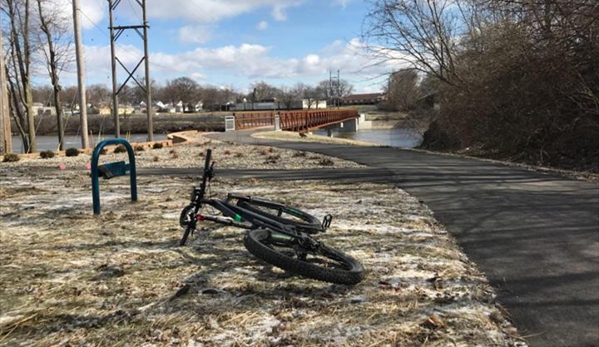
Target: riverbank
{"points": [[71, 278], [103, 125]]}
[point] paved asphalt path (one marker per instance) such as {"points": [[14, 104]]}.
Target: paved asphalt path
{"points": [[535, 235]]}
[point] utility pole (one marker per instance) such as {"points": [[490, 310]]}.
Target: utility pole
{"points": [[80, 76], [115, 33], [5, 133], [115, 94], [338, 88], [149, 110], [330, 86]]}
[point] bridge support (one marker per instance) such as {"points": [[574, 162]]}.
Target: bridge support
{"points": [[350, 126]]}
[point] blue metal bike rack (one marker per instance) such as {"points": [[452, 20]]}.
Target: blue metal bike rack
{"points": [[111, 170]]}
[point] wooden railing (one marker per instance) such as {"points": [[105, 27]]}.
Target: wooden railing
{"points": [[303, 120]]}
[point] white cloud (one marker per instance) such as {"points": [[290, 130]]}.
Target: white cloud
{"points": [[93, 12], [250, 62], [278, 13], [342, 3], [199, 34], [263, 25], [203, 11]]}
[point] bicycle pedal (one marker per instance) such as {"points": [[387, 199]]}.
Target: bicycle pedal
{"points": [[326, 222]]}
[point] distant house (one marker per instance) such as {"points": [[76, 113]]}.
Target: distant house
{"points": [[362, 99], [313, 104], [276, 104], [40, 109]]}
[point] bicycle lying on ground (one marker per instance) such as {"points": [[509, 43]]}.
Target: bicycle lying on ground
{"points": [[278, 234]]}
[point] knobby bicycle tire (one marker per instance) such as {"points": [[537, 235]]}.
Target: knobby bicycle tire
{"points": [[258, 242], [186, 234], [306, 222]]}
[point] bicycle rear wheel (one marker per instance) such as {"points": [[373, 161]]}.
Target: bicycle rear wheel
{"points": [[324, 263]]}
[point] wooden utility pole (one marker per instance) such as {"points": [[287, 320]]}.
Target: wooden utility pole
{"points": [[80, 76], [5, 134], [148, 81]]}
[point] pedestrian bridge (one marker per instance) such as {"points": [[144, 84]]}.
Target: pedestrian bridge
{"points": [[300, 120]]}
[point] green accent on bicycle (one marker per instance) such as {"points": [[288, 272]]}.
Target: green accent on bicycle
{"points": [[293, 212], [238, 218], [281, 237]]}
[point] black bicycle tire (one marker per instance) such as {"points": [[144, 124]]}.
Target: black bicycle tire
{"points": [[310, 223], [186, 234], [253, 242], [185, 213]]}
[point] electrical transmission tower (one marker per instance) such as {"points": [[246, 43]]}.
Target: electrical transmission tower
{"points": [[115, 33]]}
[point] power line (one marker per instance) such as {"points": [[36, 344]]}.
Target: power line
{"points": [[133, 10]]}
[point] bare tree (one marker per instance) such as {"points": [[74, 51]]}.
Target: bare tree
{"points": [[5, 133], [286, 96], [421, 33], [19, 77], [310, 94], [402, 90], [262, 91], [333, 89], [98, 94], [54, 29], [181, 89]]}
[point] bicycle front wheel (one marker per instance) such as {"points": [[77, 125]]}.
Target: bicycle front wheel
{"points": [[324, 264]]}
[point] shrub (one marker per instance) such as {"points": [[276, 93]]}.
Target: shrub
{"points": [[326, 162], [272, 159], [11, 158], [103, 151], [156, 159], [299, 154], [120, 149], [140, 148], [71, 152], [157, 145], [46, 154]]}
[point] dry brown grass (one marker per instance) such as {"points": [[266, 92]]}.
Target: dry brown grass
{"points": [[69, 278]]}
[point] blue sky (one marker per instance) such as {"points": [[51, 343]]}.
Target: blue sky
{"points": [[235, 42]]}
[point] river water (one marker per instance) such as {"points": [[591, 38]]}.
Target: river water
{"points": [[51, 142], [406, 138]]}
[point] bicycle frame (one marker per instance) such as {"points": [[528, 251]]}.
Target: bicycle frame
{"points": [[239, 216]]}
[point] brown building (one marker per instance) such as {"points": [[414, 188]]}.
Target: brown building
{"points": [[362, 99]]}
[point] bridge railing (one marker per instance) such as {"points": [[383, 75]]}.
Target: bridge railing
{"points": [[313, 119], [299, 120], [249, 120]]}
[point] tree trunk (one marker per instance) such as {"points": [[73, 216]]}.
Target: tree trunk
{"points": [[53, 67], [23, 57], [5, 134]]}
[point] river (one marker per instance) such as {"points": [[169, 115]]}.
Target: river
{"points": [[406, 138], [51, 142]]}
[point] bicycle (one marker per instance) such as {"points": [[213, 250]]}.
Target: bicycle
{"points": [[276, 233]]}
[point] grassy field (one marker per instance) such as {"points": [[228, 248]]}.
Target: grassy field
{"points": [[119, 279]]}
